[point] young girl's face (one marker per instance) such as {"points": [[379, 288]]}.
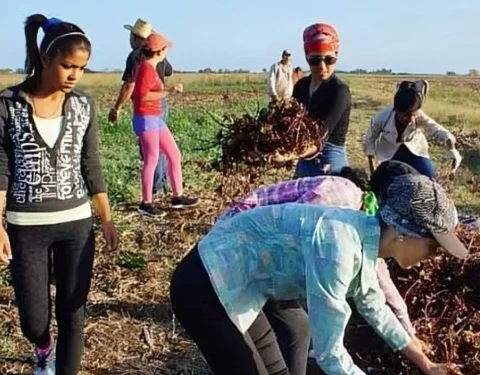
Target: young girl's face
{"points": [[65, 70], [411, 251], [406, 118]]}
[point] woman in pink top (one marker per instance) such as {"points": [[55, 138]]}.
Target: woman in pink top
{"points": [[152, 131], [343, 189]]}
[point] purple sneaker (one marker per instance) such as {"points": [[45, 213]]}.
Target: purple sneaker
{"points": [[45, 360]]}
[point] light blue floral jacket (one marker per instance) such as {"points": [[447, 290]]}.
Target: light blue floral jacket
{"points": [[298, 251]]}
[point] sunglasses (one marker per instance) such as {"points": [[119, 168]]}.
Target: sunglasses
{"points": [[316, 60]]}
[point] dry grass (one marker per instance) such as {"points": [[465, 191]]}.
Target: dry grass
{"points": [[111, 79], [129, 327]]}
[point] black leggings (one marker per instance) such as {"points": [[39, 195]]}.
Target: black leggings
{"points": [[73, 247], [290, 323], [224, 347]]}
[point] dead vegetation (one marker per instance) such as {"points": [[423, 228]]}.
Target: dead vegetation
{"points": [[130, 328], [269, 136]]}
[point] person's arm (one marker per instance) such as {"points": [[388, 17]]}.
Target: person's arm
{"points": [[371, 304], [272, 79], [145, 80], [435, 131], [371, 137], [93, 176], [393, 297], [341, 103], [5, 250], [4, 158], [330, 269], [125, 94], [102, 206], [155, 95], [128, 78], [90, 163]]}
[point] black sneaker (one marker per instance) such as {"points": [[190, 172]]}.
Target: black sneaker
{"points": [[149, 209], [180, 202]]}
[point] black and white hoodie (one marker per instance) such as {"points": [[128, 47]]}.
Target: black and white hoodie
{"points": [[39, 178]]}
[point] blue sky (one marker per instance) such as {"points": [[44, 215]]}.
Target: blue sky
{"points": [[424, 36]]}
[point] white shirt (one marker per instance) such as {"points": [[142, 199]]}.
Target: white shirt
{"points": [[381, 138], [280, 80], [49, 128]]}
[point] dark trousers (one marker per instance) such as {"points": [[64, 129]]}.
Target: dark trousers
{"points": [[422, 165], [73, 247], [224, 347], [290, 323]]}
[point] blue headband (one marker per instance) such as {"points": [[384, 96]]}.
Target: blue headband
{"points": [[49, 23]]}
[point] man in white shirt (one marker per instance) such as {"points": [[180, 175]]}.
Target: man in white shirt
{"points": [[280, 79]]}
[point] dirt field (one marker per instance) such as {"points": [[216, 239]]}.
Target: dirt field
{"points": [[129, 326]]}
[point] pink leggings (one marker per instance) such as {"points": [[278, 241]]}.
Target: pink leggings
{"points": [[152, 142]]}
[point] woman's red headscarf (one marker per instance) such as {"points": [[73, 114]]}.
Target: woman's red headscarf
{"points": [[320, 38]]}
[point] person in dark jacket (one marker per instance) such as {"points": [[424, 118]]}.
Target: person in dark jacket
{"points": [[139, 32], [49, 168], [326, 97]]}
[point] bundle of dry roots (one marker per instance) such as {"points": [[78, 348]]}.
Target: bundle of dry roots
{"points": [[443, 299], [269, 136]]}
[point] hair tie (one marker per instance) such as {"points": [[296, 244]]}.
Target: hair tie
{"points": [[370, 203], [49, 23]]}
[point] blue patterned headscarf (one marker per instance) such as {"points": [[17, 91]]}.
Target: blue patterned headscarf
{"points": [[416, 206]]}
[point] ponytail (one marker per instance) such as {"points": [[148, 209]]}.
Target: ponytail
{"points": [[33, 63]]}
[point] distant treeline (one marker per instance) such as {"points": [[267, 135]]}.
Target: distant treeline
{"points": [[471, 72]]}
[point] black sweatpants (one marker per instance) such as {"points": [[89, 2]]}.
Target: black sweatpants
{"points": [[290, 323], [73, 247], [225, 348]]}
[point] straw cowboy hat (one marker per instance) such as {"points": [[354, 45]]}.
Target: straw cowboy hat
{"points": [[141, 28]]}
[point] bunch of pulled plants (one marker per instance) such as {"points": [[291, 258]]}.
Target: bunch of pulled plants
{"points": [[272, 136]]}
